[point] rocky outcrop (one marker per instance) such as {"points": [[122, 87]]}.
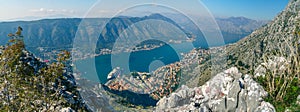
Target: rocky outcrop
{"points": [[68, 83], [29, 69], [32, 61], [227, 91]]}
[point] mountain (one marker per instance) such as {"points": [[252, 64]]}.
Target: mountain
{"points": [[232, 28], [138, 28], [279, 35], [60, 33], [270, 55], [236, 28], [43, 33]]}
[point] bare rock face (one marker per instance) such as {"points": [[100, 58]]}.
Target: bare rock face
{"points": [[180, 98], [227, 91]]}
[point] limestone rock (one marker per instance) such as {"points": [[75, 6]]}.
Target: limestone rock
{"points": [[68, 109], [227, 91]]}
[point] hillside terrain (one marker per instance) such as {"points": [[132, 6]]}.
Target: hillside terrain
{"points": [[61, 32], [232, 28], [270, 55], [28, 83]]}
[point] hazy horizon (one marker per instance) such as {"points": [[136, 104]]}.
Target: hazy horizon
{"points": [[15, 10]]}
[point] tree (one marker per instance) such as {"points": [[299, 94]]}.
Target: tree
{"points": [[24, 88]]}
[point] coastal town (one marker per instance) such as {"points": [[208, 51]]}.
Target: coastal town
{"points": [[160, 82], [78, 54], [81, 53]]}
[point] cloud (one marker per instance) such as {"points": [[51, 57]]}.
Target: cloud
{"points": [[52, 11]]}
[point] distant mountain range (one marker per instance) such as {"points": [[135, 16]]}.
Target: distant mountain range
{"points": [[60, 33], [236, 28], [232, 28]]}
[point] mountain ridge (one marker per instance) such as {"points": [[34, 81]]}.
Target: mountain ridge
{"points": [[270, 55], [63, 30], [260, 40]]}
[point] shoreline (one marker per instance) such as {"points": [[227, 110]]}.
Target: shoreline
{"points": [[109, 52]]}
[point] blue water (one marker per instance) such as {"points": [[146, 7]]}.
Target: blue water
{"points": [[138, 61]]}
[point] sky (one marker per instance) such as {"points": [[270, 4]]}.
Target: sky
{"points": [[36, 9]]}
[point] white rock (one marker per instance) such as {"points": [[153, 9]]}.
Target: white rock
{"points": [[298, 100], [68, 109], [213, 94]]}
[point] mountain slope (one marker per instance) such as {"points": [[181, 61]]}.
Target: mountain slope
{"points": [[236, 28], [61, 32], [43, 33], [270, 55], [232, 28], [276, 36], [28, 84], [118, 28]]}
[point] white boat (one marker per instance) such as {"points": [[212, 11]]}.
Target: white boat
{"points": [[114, 73]]}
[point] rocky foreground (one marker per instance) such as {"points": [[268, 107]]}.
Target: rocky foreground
{"points": [[227, 91]]}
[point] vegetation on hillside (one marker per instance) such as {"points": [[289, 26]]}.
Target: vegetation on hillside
{"points": [[278, 39], [23, 88], [283, 83]]}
